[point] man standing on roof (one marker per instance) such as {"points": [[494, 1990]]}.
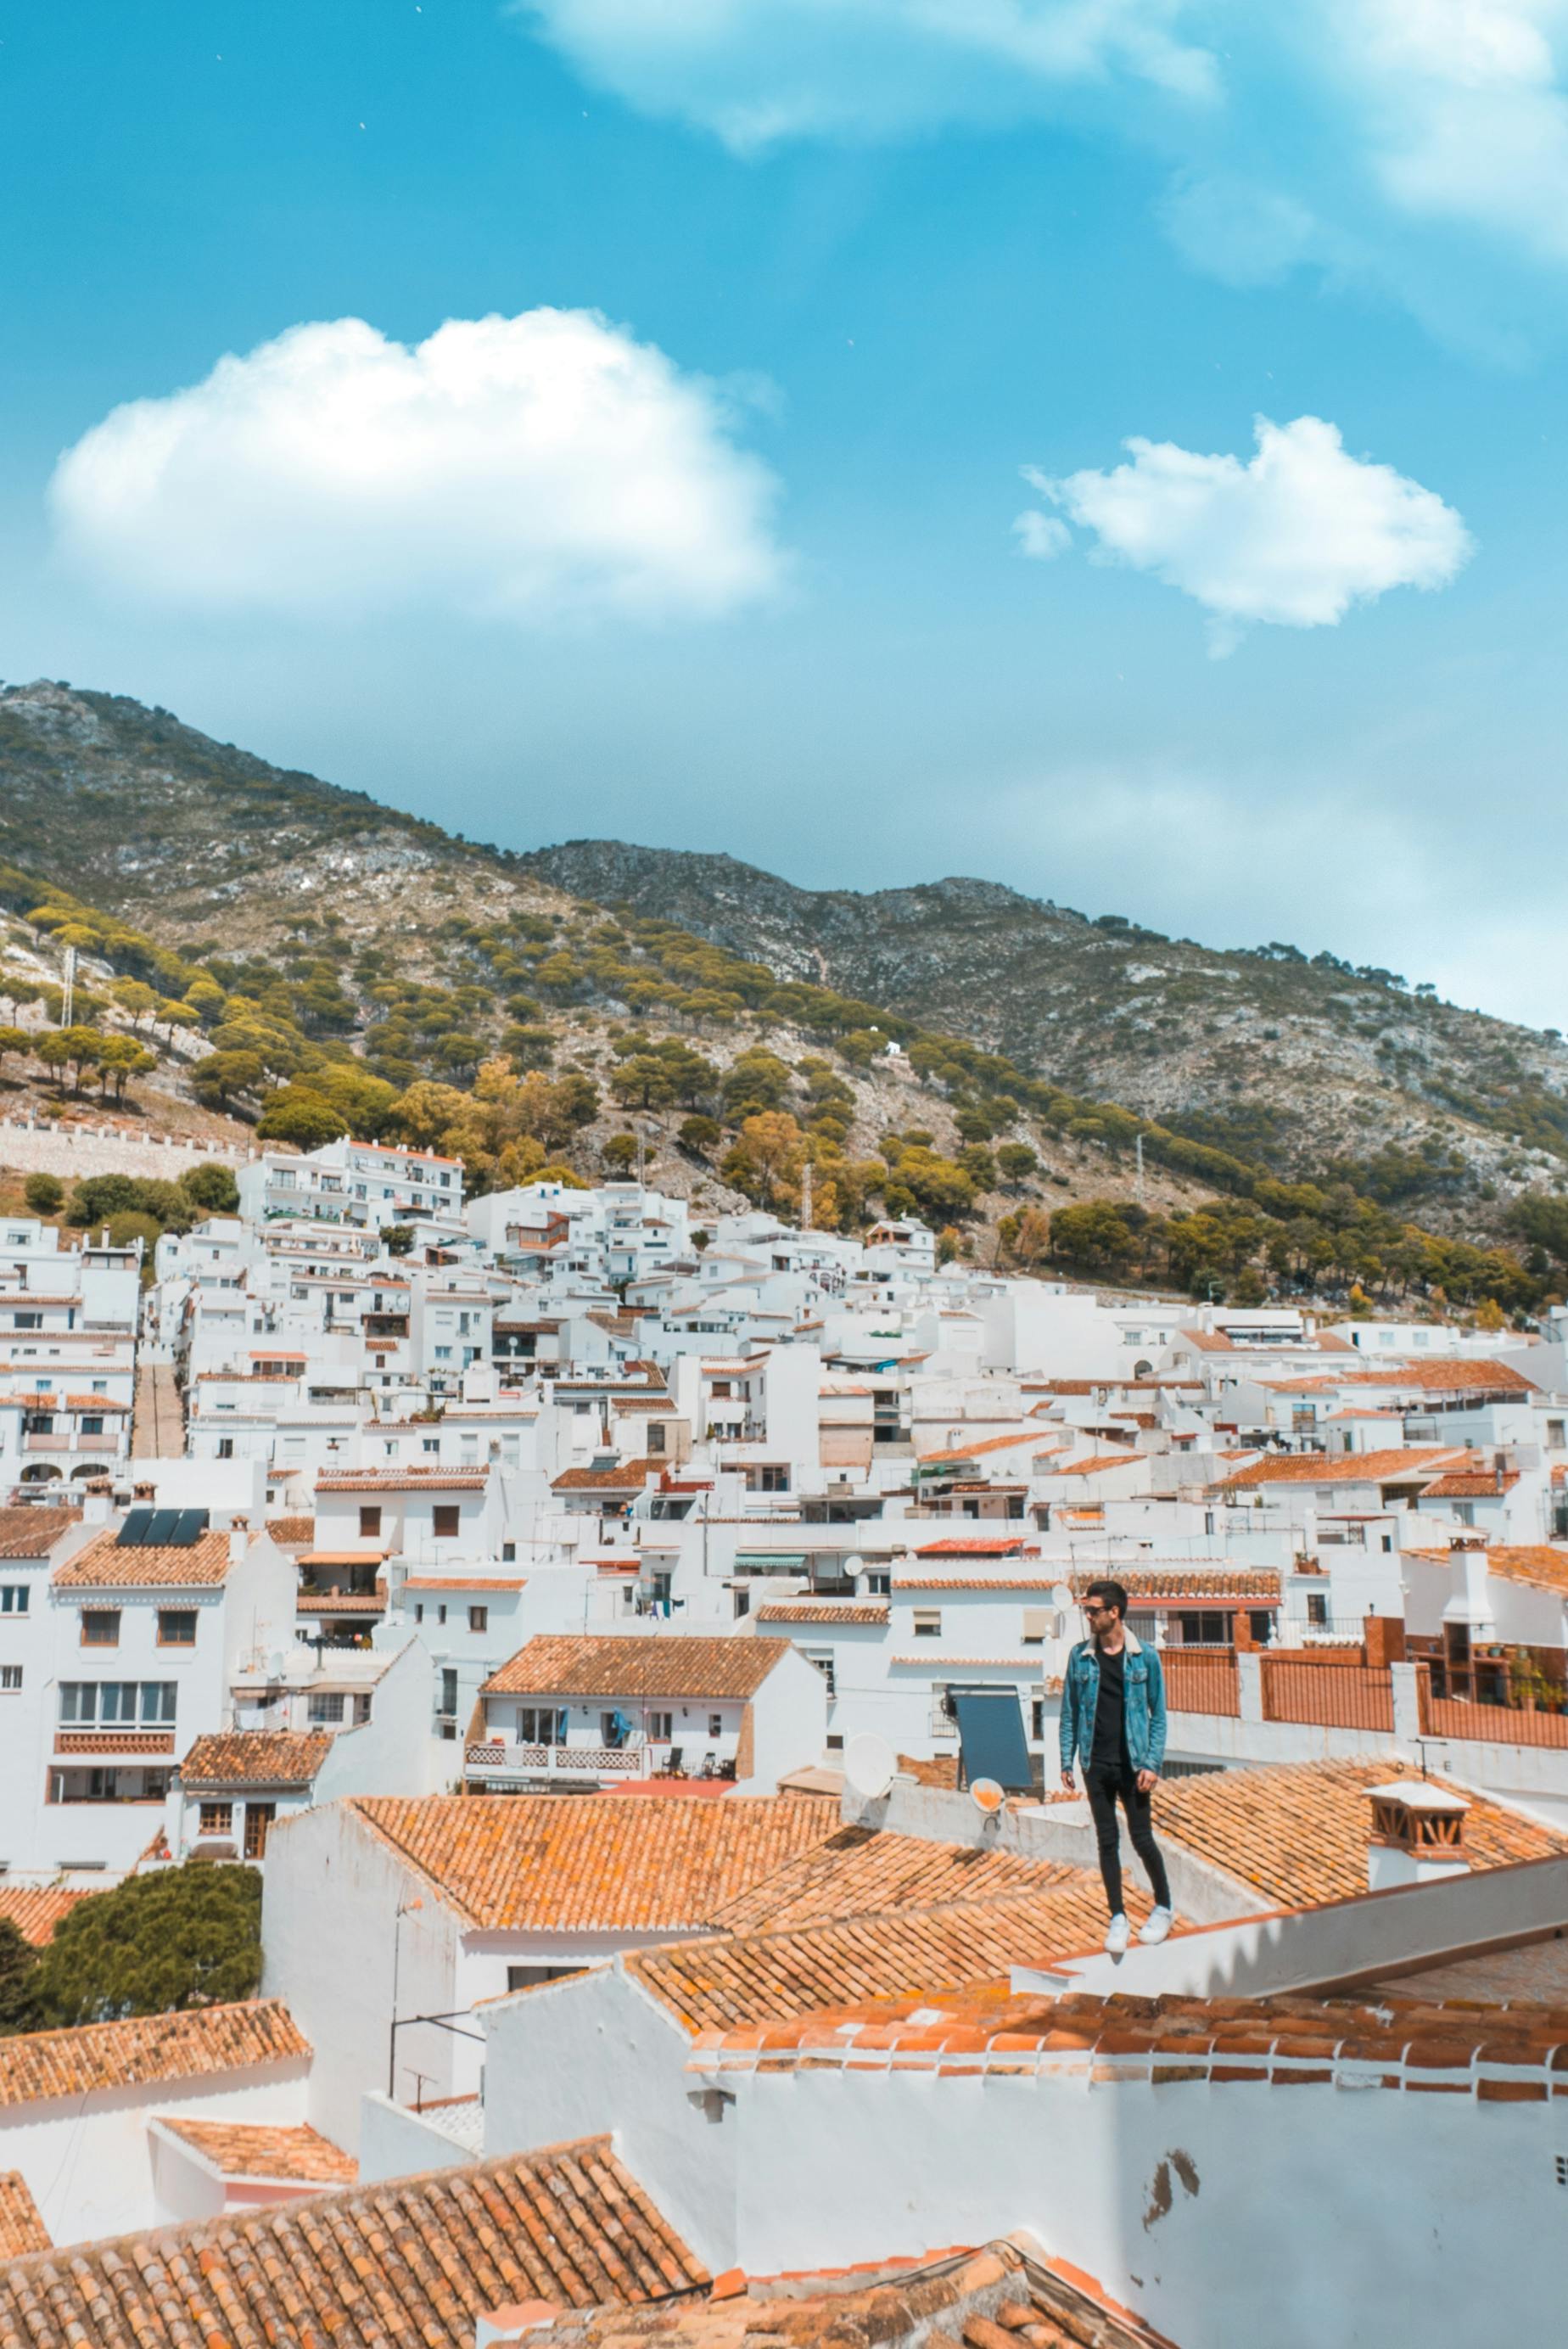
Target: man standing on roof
{"points": [[1113, 1714]]}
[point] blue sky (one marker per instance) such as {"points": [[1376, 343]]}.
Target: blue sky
{"points": [[713, 538]]}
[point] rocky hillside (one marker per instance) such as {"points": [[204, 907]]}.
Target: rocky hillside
{"points": [[1279, 1056], [319, 927]]}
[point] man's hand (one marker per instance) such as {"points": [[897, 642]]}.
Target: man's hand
{"points": [[1068, 1782], [1146, 1779]]}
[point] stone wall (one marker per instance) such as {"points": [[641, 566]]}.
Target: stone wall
{"points": [[68, 1150]]}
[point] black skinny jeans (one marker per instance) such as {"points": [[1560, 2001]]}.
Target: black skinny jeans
{"points": [[1103, 1782]]}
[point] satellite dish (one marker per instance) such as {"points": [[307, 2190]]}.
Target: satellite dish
{"points": [[987, 1796], [854, 1566], [869, 1765], [1061, 1599]]}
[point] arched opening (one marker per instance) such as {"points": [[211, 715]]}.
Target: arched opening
{"points": [[40, 1472]]}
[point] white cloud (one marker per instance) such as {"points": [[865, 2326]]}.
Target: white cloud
{"points": [[1297, 536], [1343, 134], [507, 468]]}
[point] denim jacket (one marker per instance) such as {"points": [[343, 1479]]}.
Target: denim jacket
{"points": [[1145, 1708]]}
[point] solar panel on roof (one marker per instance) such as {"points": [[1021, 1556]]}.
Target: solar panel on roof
{"points": [[159, 1526], [189, 1526], [991, 1738], [132, 1535]]}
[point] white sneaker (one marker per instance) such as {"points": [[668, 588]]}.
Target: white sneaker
{"points": [[1155, 1926], [1116, 1936]]}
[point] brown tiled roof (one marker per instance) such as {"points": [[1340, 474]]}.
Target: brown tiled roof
{"points": [[639, 1665], [857, 1872], [1472, 1485], [1416, 1464], [535, 1863], [1444, 1378], [1094, 1463], [401, 1480], [292, 1532], [299, 2155], [1537, 1563], [22, 2229], [28, 1532], [415, 2261], [1299, 1833], [716, 1984], [973, 1544], [36, 1909], [255, 1758], [146, 2048], [1388, 2043], [823, 1610], [102, 1565], [629, 1476], [1259, 1586]]}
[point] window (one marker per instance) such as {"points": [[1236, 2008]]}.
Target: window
{"points": [[1318, 1608], [225, 1447], [656, 1436], [217, 1819], [1037, 1719], [92, 1422], [123, 1703], [445, 1519], [10, 1679], [369, 1521], [771, 1477], [326, 1706], [177, 1627], [715, 1724], [430, 1444], [100, 1627], [541, 1724], [259, 1817], [14, 1599], [361, 1708], [1036, 1621], [524, 1977], [928, 1622], [479, 1619], [442, 1612], [661, 1726], [449, 1689], [507, 1553], [419, 1610]]}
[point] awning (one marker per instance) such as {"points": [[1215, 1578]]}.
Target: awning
{"points": [[794, 1561]]}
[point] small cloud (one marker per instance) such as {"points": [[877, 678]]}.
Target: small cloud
{"points": [[1042, 535], [513, 469], [1294, 537]]}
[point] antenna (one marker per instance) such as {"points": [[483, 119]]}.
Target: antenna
{"points": [[987, 1796], [69, 989], [869, 1765]]}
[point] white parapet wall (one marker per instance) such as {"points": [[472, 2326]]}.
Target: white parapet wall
{"points": [[45, 1149]]}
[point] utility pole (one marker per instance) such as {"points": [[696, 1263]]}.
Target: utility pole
{"points": [[1139, 1147], [806, 1197], [68, 991]]}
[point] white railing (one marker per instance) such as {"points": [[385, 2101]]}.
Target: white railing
{"points": [[500, 1755]]}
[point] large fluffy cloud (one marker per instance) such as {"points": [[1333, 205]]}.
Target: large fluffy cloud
{"points": [[1347, 135], [509, 468], [1297, 536]]}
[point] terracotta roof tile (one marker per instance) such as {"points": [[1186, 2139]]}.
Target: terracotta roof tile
{"points": [[856, 1871], [299, 2156], [974, 1545], [29, 1532], [1298, 1834], [637, 1665], [292, 1533], [1416, 1464], [102, 1565], [22, 2229], [823, 1610], [415, 2260], [401, 1480], [255, 1758], [1258, 1586], [1456, 1377], [1540, 1564], [36, 1909], [627, 1476], [41, 2065], [535, 1863]]}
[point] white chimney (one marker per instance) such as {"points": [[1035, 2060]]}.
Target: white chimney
{"points": [[1417, 1835], [239, 1538], [1470, 1602]]}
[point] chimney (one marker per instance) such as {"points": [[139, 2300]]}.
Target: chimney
{"points": [[1418, 1834], [1384, 1636], [1469, 1602], [511, 2322], [239, 1538]]}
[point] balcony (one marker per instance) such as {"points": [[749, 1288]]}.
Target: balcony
{"points": [[497, 1759], [121, 1744]]}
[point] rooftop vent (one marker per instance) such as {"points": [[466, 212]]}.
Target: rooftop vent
{"points": [[1418, 1834]]}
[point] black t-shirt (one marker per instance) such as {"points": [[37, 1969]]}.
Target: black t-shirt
{"points": [[1109, 1747]]}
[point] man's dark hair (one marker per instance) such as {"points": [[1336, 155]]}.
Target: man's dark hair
{"points": [[1113, 1594]]}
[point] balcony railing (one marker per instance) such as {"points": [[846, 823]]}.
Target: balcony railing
{"points": [[497, 1756], [1327, 1692], [1201, 1680], [123, 1744]]}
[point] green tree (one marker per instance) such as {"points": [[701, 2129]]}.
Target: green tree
{"points": [[121, 1058], [98, 1196], [45, 1194], [19, 1963], [1017, 1162], [301, 1118], [212, 1187], [216, 1080], [13, 1040], [1094, 1233], [397, 1239], [700, 1135], [180, 1937], [132, 1225], [619, 1154]]}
